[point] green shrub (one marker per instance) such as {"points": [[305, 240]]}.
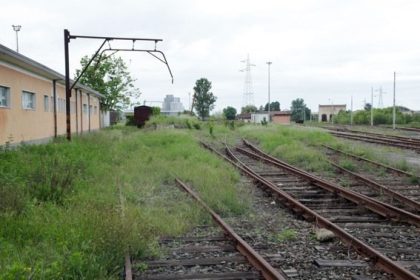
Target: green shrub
{"points": [[188, 123], [129, 120], [197, 126]]}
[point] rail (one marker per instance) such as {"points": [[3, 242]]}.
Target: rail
{"points": [[376, 257], [255, 259]]}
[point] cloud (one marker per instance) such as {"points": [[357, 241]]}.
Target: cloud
{"points": [[320, 49]]}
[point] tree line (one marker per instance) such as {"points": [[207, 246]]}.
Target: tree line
{"points": [[380, 116]]}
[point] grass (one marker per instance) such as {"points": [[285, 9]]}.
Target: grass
{"points": [[71, 210], [298, 146], [347, 164], [286, 235]]}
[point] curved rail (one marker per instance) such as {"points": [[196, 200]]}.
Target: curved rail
{"points": [[250, 254], [412, 204], [390, 168], [376, 257], [374, 205]]}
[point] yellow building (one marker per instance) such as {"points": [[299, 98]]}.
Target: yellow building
{"points": [[33, 102]]}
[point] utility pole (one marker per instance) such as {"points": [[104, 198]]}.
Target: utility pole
{"points": [[351, 112], [371, 108], [393, 109], [17, 28], [269, 64]]}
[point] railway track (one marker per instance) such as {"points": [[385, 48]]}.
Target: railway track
{"points": [[395, 186], [212, 252], [366, 225], [376, 138], [413, 129]]}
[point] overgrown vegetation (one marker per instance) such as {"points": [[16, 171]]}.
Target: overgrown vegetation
{"points": [[380, 116], [71, 210], [293, 144]]}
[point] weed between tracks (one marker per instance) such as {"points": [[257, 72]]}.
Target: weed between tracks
{"points": [[70, 210], [295, 145]]}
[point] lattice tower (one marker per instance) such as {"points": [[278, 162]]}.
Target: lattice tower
{"points": [[248, 97]]}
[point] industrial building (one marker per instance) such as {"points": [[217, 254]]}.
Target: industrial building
{"points": [[33, 102], [326, 112], [172, 105], [277, 117]]}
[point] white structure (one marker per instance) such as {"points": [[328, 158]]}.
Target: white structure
{"points": [[326, 112], [259, 117], [172, 105]]}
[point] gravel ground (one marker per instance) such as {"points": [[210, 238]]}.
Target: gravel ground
{"points": [[291, 242]]}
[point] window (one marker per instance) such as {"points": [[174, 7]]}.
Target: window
{"points": [[90, 110], [46, 103], [95, 110], [4, 96], [28, 100], [85, 109]]}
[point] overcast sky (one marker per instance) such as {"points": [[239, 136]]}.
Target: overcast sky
{"points": [[322, 51]]}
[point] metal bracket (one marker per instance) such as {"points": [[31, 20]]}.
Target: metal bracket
{"points": [[68, 38]]}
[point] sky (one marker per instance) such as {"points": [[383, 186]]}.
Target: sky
{"points": [[326, 52]]}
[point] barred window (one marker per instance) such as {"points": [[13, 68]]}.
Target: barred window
{"points": [[4, 96], [28, 100]]}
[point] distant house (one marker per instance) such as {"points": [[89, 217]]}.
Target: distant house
{"points": [[277, 117], [172, 105], [326, 112], [281, 117], [246, 117]]}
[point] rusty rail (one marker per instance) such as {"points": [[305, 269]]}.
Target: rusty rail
{"points": [[376, 257], [371, 161], [244, 248], [414, 205], [374, 205], [377, 140]]}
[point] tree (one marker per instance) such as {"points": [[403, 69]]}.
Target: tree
{"points": [[368, 106], [274, 106], [229, 113], [111, 78], [203, 99], [299, 110], [248, 109]]}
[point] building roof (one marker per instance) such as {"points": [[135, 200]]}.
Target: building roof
{"points": [[333, 105], [10, 56], [281, 113], [244, 116]]}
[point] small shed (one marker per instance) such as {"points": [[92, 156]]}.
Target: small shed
{"points": [[281, 117], [142, 114], [259, 117]]}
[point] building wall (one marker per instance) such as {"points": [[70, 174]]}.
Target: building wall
{"points": [[258, 118], [281, 119], [31, 125], [326, 112]]}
